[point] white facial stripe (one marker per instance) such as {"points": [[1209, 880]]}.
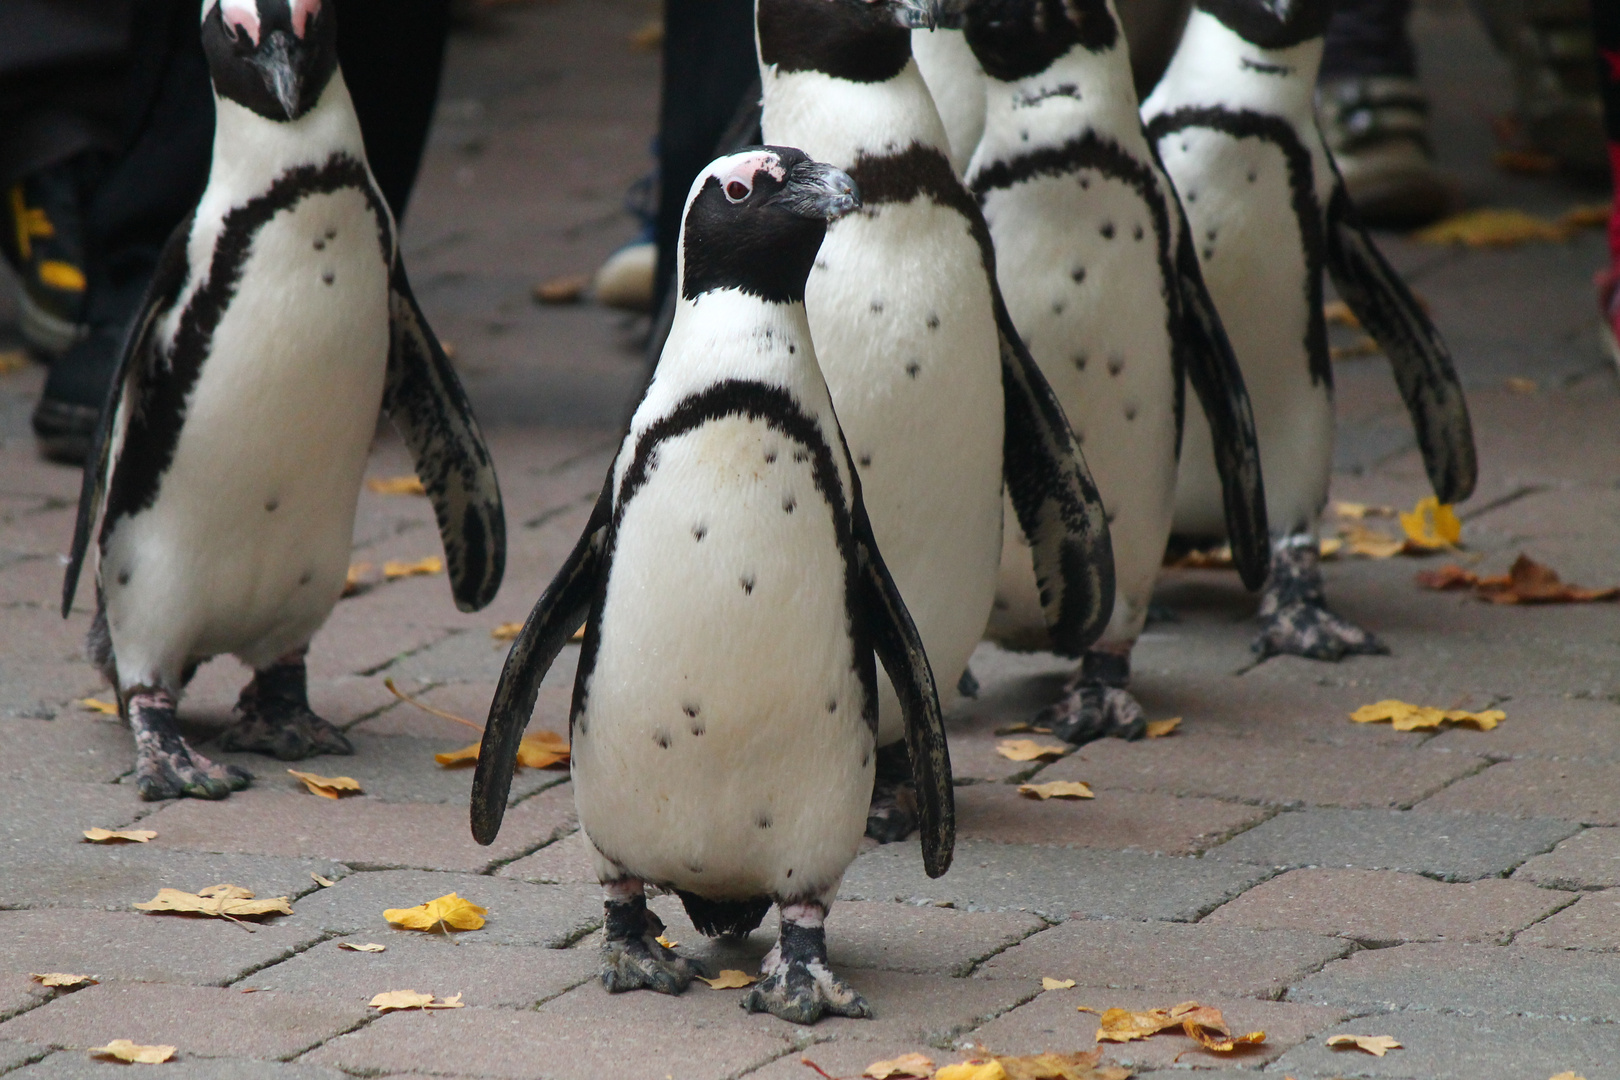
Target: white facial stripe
{"points": [[302, 12], [243, 15], [742, 167]]}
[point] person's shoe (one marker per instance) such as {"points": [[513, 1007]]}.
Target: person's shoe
{"points": [[1554, 57], [75, 388], [42, 237], [1377, 128]]}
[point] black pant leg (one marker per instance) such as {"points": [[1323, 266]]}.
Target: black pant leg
{"points": [[1369, 38]]}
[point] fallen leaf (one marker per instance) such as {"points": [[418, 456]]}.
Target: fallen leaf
{"points": [[506, 631], [1376, 1045], [1529, 582], [1355, 511], [61, 979], [1057, 789], [1366, 346], [1338, 313], [124, 1050], [105, 708], [1525, 162], [1330, 546], [1205, 1025], [1030, 750], [1371, 543], [107, 836], [1589, 216], [1568, 1076], [1523, 386], [909, 1066], [328, 787], [323, 882], [973, 1070], [370, 946], [355, 580], [447, 912], [578, 635], [1219, 558], [398, 568], [1126, 1025], [396, 485], [1450, 576], [666, 942], [1432, 524], [224, 901], [1049, 983], [1158, 729], [410, 999], [540, 750], [1406, 717], [562, 290], [12, 360], [1493, 228], [1077, 1066], [731, 979], [429, 709]]}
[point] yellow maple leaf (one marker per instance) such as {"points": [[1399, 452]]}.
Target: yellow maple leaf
{"points": [[447, 912], [1158, 729], [1127, 1025], [540, 750], [1355, 511], [1432, 525], [328, 787], [124, 1050], [410, 999], [369, 946], [399, 568], [1376, 1045], [506, 631], [1049, 1066], [1057, 789], [666, 941], [105, 708], [61, 979], [355, 579], [396, 485], [1407, 717], [224, 901], [905, 1067], [1570, 1075], [107, 836], [1488, 227], [1049, 983], [731, 979], [972, 1070], [1030, 750], [1371, 543]]}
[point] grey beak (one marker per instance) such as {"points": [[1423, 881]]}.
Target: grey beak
{"points": [[278, 62], [818, 190], [919, 14], [950, 14]]}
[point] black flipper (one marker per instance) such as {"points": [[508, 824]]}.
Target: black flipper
{"points": [[1420, 360], [1213, 370], [556, 615], [898, 646], [127, 383], [1057, 503], [429, 408]]}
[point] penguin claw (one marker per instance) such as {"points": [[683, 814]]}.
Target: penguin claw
{"points": [[893, 814], [166, 769], [1307, 628], [644, 963], [803, 992], [290, 734], [1089, 710]]}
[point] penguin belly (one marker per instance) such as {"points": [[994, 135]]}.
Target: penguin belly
{"points": [[1237, 197], [719, 742], [900, 312], [1080, 267], [246, 546]]}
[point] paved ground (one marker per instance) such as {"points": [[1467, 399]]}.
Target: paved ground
{"points": [[1458, 891]]}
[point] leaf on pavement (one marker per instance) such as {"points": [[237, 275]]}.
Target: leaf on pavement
{"points": [[562, 290], [540, 750], [1077, 1066], [731, 979], [1445, 578], [1407, 717], [1158, 729], [369, 946], [1487, 227], [973, 1070], [1338, 313], [354, 582], [1203, 1023], [1432, 524], [124, 1050], [1529, 582], [506, 631], [1049, 983], [1126, 1025], [666, 941], [223, 901], [1354, 511], [323, 882], [398, 568], [105, 708], [1219, 558], [1057, 789], [1376, 1045], [396, 485], [107, 836], [1030, 750], [1570, 1075], [1206, 1025], [447, 912], [61, 979], [1372, 543], [328, 787], [904, 1067], [410, 999]]}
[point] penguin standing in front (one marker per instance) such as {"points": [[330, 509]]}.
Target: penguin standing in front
{"points": [[1234, 122], [941, 402], [227, 464], [725, 707], [956, 84], [1098, 268]]}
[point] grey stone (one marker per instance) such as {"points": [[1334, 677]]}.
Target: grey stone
{"points": [[77, 745], [15, 1054], [1587, 860], [26, 818], [77, 1065]]}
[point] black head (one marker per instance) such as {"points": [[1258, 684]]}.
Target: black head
{"points": [[1015, 39], [1272, 24], [865, 41], [755, 220], [272, 56]]}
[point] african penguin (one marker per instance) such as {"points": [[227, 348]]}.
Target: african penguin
{"points": [[1233, 120], [228, 459], [956, 84], [725, 706], [1096, 262], [935, 391]]}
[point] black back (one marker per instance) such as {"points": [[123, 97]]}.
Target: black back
{"points": [[278, 68], [1014, 39], [858, 40]]}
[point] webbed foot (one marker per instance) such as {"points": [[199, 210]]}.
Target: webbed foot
{"points": [[797, 984], [893, 814], [1095, 703], [166, 767], [275, 717], [1294, 617], [632, 956]]}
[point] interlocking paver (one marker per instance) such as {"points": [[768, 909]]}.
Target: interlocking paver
{"points": [[25, 817], [1119, 820], [75, 746], [14, 1054], [1581, 791], [1544, 727], [77, 1065], [1383, 907], [561, 862], [1588, 860], [1592, 922], [114, 876]]}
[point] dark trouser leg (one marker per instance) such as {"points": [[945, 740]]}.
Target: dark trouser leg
{"points": [[797, 984], [275, 716], [1294, 617], [632, 958], [165, 766]]}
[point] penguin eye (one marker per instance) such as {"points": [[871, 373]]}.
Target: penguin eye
{"points": [[737, 191]]}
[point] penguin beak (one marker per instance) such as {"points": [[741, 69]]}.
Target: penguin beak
{"points": [[919, 14], [950, 14], [817, 190], [279, 62]]}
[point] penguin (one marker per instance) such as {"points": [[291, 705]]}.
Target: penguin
{"points": [[1097, 264], [1234, 122], [725, 706], [227, 462], [940, 400], [956, 84]]}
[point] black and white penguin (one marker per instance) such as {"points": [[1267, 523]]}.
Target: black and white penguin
{"points": [[940, 401], [228, 460], [1097, 264], [725, 707], [1234, 122], [956, 83]]}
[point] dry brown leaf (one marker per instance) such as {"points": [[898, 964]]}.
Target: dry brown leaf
{"points": [[410, 999], [649, 36], [1529, 582], [569, 289], [1049, 983], [1127, 1025], [1338, 313], [1570, 1075], [355, 580], [1588, 216], [540, 750], [731, 979], [1493, 228], [1158, 729], [578, 635], [323, 882], [105, 708], [1364, 346], [666, 941], [396, 485], [1030, 750], [1432, 524], [1525, 162], [400, 568], [1355, 511], [506, 631], [1450, 576], [1057, 789], [972, 1070], [906, 1067], [223, 901], [448, 912], [1077, 1066], [107, 836], [124, 1050], [1219, 558], [1376, 1045], [328, 787], [1406, 717], [1522, 386], [12, 360], [61, 979], [370, 946], [1205, 1025]]}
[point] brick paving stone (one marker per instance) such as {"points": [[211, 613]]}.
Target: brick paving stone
{"points": [[1543, 727], [1119, 820], [562, 862], [77, 1065], [1195, 960], [141, 947], [519, 913], [201, 1021], [1471, 980], [1455, 847], [26, 817], [359, 830], [520, 976], [1588, 860], [1573, 790], [19, 993], [77, 746], [1592, 922], [1379, 907], [1055, 882], [14, 1054], [1051, 1022], [458, 658], [375, 632], [845, 1058]]}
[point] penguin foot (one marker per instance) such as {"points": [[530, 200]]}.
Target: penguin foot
{"points": [[1095, 703], [968, 684], [798, 986], [165, 766], [1312, 631], [632, 956], [893, 814], [275, 717]]}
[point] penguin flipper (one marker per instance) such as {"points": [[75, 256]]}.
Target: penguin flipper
{"points": [[1213, 370], [168, 278], [1057, 502], [557, 614], [1420, 360], [429, 408], [898, 645]]}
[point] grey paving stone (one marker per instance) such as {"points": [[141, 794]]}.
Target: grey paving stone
{"points": [[1054, 882], [519, 913], [845, 1057], [1592, 922], [1452, 847], [1473, 980], [77, 1065], [27, 818], [1585, 792], [1587, 860], [76, 746], [561, 862], [1192, 961], [1120, 820], [1544, 727], [19, 993], [112, 877], [16, 1054]]}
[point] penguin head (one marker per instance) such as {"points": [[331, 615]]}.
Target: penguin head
{"points": [[865, 41], [272, 56], [1017, 39], [755, 220], [1272, 24]]}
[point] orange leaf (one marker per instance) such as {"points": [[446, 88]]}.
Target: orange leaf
{"points": [[447, 912], [909, 1066], [731, 979], [1057, 789], [1529, 582], [1030, 750], [124, 1050], [1376, 1045], [61, 979], [328, 787], [107, 836], [1158, 729], [506, 631], [1450, 576], [396, 485], [398, 568]]}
